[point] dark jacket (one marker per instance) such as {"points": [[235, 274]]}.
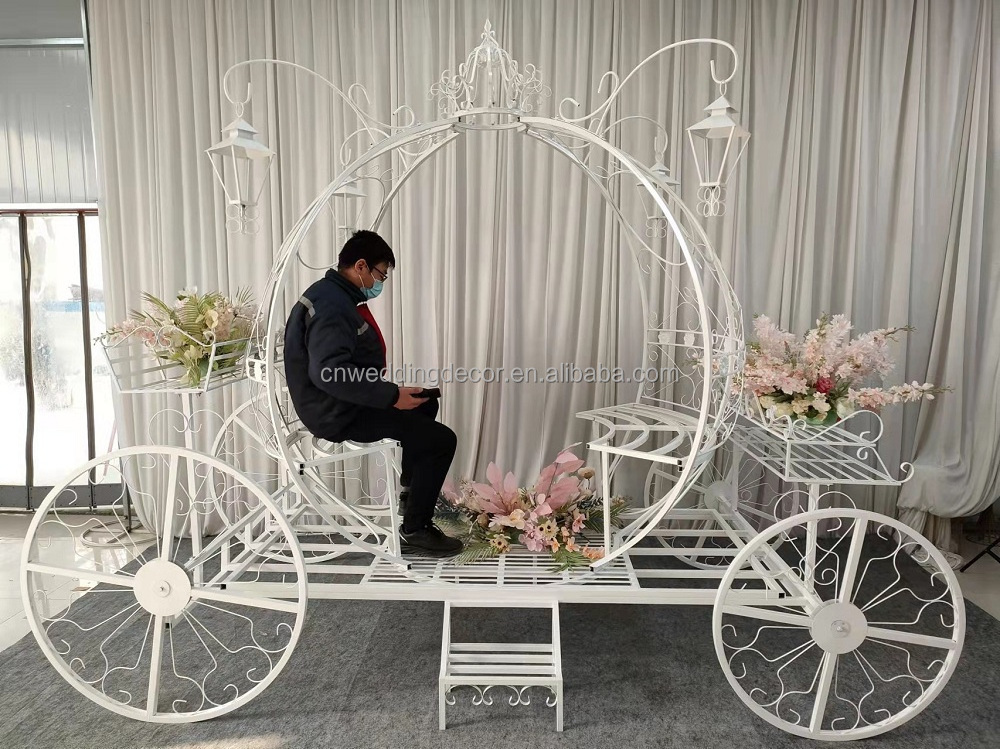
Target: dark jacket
{"points": [[333, 358]]}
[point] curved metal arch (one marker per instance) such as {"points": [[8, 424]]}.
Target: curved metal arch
{"points": [[399, 140]]}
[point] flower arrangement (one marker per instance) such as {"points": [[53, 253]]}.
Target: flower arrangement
{"points": [[186, 331], [821, 377], [546, 517]]}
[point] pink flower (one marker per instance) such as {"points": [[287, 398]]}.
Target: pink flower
{"points": [[824, 385], [563, 491], [515, 519], [543, 507], [533, 540], [450, 493], [499, 497]]}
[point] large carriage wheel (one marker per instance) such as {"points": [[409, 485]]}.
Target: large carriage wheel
{"points": [[187, 626], [869, 633]]}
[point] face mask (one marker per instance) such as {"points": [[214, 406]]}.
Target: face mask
{"points": [[375, 289]]}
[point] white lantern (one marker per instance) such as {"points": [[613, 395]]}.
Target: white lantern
{"points": [[717, 143], [656, 223], [242, 165], [348, 193], [663, 174]]}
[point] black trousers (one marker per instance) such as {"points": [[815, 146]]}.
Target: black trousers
{"points": [[428, 449]]}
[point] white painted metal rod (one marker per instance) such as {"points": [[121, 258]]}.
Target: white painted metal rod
{"points": [[124, 581], [220, 596]]}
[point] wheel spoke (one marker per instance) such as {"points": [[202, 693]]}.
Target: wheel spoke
{"points": [[168, 518], [251, 432], [911, 638], [769, 615], [853, 559], [226, 535], [827, 669], [125, 581], [153, 693]]}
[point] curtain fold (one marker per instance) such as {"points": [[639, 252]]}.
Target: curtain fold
{"points": [[867, 189]]}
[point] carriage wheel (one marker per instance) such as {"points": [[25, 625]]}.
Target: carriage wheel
{"points": [[186, 626], [731, 484], [247, 440], [864, 637]]}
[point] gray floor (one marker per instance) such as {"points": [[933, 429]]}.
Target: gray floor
{"points": [[364, 675]]}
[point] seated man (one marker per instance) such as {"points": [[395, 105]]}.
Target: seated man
{"points": [[334, 366]]}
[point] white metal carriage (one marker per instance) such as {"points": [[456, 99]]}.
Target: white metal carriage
{"points": [[829, 622]]}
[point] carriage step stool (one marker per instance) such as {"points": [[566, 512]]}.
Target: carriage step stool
{"points": [[485, 665]]}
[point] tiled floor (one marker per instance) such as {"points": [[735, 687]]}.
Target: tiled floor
{"points": [[981, 584], [13, 528]]}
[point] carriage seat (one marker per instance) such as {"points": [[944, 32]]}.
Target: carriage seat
{"points": [[644, 430]]}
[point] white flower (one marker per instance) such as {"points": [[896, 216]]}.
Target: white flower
{"points": [[844, 408], [689, 339], [783, 409], [801, 405], [819, 403]]}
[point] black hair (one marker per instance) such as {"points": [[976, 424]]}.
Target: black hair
{"points": [[368, 246]]}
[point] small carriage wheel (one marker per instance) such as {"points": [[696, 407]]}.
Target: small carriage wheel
{"points": [[732, 482], [246, 441], [186, 626], [862, 628]]}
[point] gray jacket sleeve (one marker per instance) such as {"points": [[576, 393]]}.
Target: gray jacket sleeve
{"points": [[330, 340]]}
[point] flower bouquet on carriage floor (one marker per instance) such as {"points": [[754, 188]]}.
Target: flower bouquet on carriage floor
{"points": [[825, 376], [550, 516], [191, 330]]}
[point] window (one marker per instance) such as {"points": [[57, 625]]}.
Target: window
{"points": [[55, 397], [54, 392]]}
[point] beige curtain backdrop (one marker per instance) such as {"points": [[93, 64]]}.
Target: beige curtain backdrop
{"points": [[867, 189]]}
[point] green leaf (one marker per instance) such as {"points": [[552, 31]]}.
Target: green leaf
{"points": [[474, 552], [568, 560], [157, 302]]}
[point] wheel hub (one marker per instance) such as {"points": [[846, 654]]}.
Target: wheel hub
{"points": [[162, 588], [839, 627], [717, 497]]}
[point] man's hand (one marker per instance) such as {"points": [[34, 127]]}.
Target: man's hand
{"points": [[408, 398]]}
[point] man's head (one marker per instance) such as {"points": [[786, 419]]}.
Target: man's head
{"points": [[365, 261]]}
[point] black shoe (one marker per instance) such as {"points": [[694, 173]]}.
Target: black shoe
{"points": [[429, 541]]}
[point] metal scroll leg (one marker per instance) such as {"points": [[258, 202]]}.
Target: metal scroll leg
{"points": [[187, 406], [606, 499], [811, 536], [557, 690], [391, 497], [442, 684]]}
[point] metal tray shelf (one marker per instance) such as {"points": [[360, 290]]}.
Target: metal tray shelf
{"points": [[800, 452], [136, 368]]}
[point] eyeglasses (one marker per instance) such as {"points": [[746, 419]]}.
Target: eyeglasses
{"points": [[382, 276]]}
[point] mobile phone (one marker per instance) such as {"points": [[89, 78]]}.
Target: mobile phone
{"points": [[429, 393]]}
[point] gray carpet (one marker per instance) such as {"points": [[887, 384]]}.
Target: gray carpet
{"points": [[364, 674]]}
